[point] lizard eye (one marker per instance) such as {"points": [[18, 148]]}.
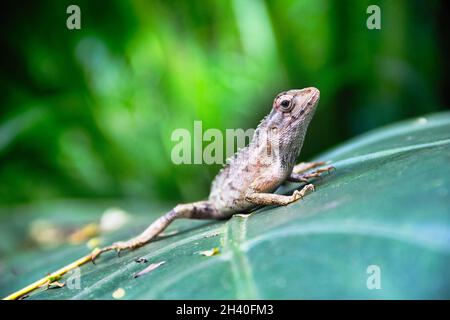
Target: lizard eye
{"points": [[284, 103]]}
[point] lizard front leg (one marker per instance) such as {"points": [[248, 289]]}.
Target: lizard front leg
{"points": [[270, 199], [195, 210]]}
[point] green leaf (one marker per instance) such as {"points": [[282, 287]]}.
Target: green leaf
{"points": [[387, 205]]}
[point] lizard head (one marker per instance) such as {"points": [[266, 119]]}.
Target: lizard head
{"points": [[288, 121], [295, 107]]}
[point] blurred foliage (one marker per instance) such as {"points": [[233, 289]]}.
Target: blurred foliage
{"points": [[89, 113]]}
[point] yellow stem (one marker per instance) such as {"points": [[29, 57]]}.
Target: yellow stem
{"points": [[55, 274]]}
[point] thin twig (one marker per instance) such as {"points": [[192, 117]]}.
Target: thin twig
{"points": [[54, 275]]}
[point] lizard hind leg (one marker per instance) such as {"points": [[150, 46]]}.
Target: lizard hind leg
{"points": [[195, 210], [300, 174], [302, 167]]}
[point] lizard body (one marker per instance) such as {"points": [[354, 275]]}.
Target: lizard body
{"points": [[253, 169], [255, 172]]}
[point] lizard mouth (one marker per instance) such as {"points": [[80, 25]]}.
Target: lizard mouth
{"points": [[309, 104], [314, 96]]}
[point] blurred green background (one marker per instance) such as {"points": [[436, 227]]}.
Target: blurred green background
{"points": [[89, 113]]}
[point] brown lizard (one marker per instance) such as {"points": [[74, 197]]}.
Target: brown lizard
{"points": [[255, 172]]}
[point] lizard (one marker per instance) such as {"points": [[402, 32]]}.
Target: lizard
{"points": [[251, 176]]}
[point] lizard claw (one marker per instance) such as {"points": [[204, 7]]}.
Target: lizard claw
{"points": [[98, 252], [329, 169], [318, 172], [299, 194], [117, 246]]}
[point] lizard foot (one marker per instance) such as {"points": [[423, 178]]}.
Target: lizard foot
{"points": [[305, 177], [117, 246], [318, 173], [299, 194], [305, 166]]}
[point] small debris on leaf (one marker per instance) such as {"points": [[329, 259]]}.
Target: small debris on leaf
{"points": [[141, 260], [113, 219], [52, 282], [88, 231], [119, 293], [93, 243], [151, 267], [209, 253], [45, 232], [421, 121], [23, 297], [214, 234], [240, 215], [53, 278], [55, 284]]}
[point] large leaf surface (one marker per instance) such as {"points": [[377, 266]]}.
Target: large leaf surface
{"points": [[387, 204]]}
